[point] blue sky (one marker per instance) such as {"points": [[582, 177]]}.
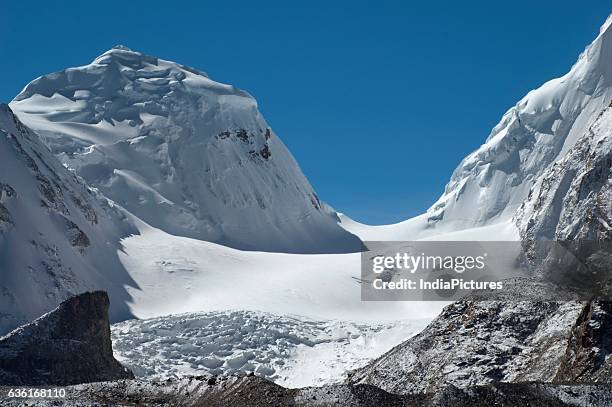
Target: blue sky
{"points": [[377, 100]]}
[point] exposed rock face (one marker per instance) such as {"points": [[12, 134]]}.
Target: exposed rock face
{"points": [[478, 343], [68, 345], [572, 199], [586, 358], [571, 204]]}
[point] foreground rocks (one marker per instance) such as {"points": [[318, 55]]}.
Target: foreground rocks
{"points": [[68, 345], [476, 353], [252, 391], [481, 343]]}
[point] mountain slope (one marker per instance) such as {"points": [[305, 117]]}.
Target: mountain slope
{"points": [[476, 343], [182, 152], [490, 184], [57, 237]]}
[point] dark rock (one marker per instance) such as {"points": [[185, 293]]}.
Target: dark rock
{"points": [[265, 152], [68, 345], [586, 358], [257, 392]]}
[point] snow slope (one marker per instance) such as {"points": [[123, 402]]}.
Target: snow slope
{"points": [[491, 183], [418, 228], [176, 274], [57, 236], [182, 152]]}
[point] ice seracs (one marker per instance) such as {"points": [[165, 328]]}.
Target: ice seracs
{"points": [[182, 152]]}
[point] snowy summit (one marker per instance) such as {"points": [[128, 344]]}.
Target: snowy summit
{"points": [[184, 153]]}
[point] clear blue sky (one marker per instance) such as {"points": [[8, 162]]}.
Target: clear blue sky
{"points": [[377, 100]]}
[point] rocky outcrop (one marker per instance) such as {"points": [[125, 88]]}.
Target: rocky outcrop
{"points": [[477, 343], [68, 345], [586, 358], [480, 343]]}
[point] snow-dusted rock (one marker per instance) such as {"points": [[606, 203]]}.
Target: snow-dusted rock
{"points": [[573, 198], [479, 343], [473, 343], [571, 203], [182, 152]]}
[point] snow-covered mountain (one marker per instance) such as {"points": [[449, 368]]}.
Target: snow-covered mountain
{"points": [[490, 184], [548, 168], [57, 236], [182, 152]]}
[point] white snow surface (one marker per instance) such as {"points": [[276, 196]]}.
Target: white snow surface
{"points": [[184, 153], [293, 351], [419, 228], [174, 274]]}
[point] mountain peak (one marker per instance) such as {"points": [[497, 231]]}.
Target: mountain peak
{"points": [[125, 56], [184, 153], [122, 48]]}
